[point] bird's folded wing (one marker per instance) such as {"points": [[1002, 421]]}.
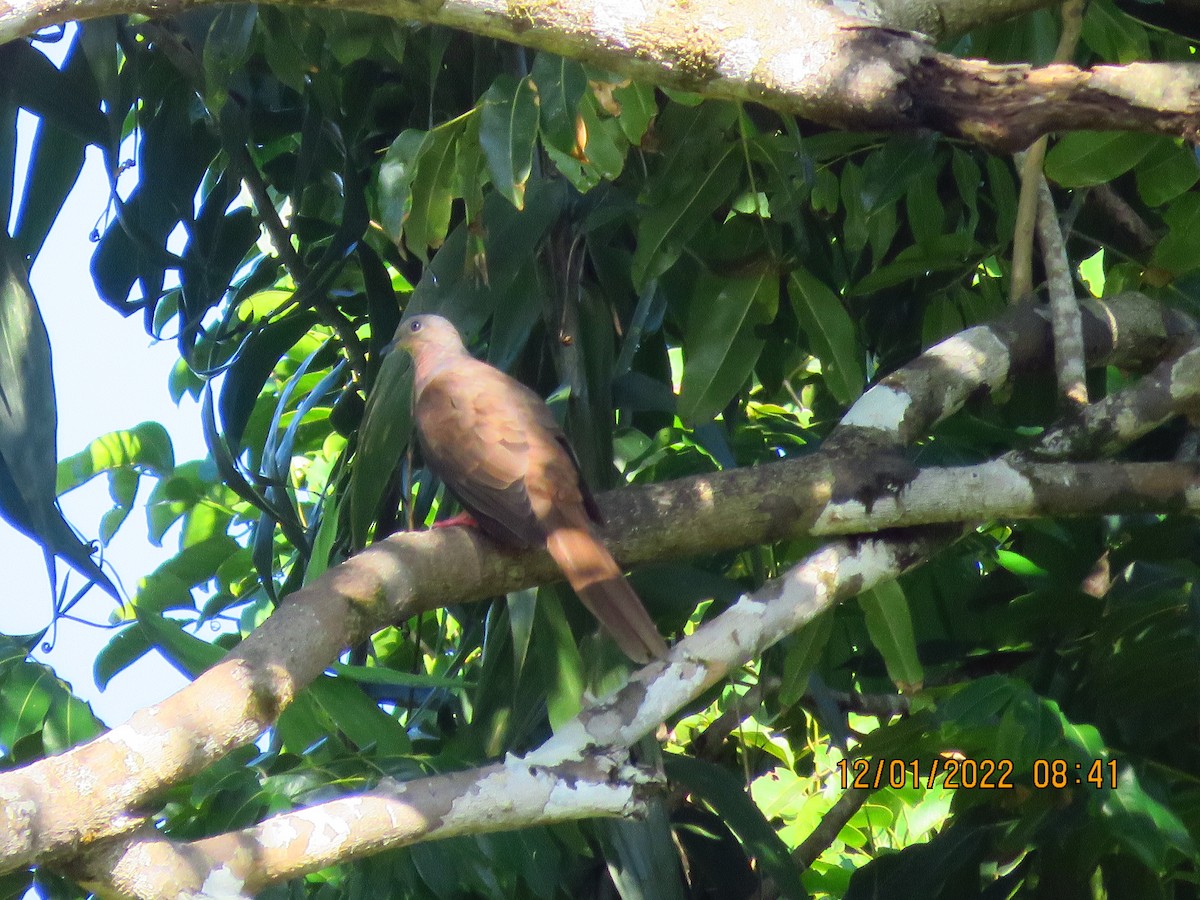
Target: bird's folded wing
{"points": [[472, 437]]}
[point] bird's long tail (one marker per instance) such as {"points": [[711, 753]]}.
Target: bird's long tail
{"points": [[600, 584]]}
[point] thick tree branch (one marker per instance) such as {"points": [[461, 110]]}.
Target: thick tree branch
{"points": [[512, 794], [50, 808], [140, 868], [800, 57]]}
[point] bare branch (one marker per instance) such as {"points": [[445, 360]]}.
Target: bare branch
{"points": [[802, 58], [475, 802], [512, 794]]}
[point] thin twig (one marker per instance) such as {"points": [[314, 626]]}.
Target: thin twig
{"points": [[1030, 167], [1037, 205]]}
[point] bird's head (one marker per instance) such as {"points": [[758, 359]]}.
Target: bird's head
{"points": [[427, 334]]}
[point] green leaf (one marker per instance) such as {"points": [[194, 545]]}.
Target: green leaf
{"points": [[28, 424], [604, 144], [507, 131], [122, 488], [726, 793], [383, 439], [396, 174], [392, 678], [1086, 158], [804, 650], [169, 586], [69, 722], [889, 171], [890, 626], [1113, 34], [560, 85], [67, 98], [638, 109], [832, 336], [1004, 195], [720, 344], [856, 229], [1168, 170], [1019, 565], [8, 154], [174, 496], [126, 647], [566, 681], [226, 50], [944, 253], [926, 212], [184, 651], [55, 161], [1179, 250], [669, 222], [357, 716], [256, 360], [1145, 825], [24, 701], [147, 446], [432, 190], [967, 177]]}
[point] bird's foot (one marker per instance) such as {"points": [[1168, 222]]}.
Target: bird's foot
{"points": [[462, 520]]}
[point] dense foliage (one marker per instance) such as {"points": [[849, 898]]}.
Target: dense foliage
{"points": [[697, 286]]}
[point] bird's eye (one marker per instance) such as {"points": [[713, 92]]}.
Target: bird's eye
{"points": [[414, 326]]}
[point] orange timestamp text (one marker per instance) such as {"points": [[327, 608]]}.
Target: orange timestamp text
{"points": [[985, 774]]}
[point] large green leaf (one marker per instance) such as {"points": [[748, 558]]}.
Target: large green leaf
{"points": [[433, 190], [507, 132], [147, 446], [29, 422], [891, 628], [697, 175], [68, 98], [56, 158], [1168, 170], [832, 336], [1179, 251], [26, 692], [1086, 158], [1147, 826], [721, 345], [560, 86]]}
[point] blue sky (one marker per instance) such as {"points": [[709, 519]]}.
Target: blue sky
{"points": [[108, 375]]}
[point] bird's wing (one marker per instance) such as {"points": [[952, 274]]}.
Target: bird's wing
{"points": [[475, 432]]}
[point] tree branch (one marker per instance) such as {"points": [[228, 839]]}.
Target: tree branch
{"points": [[756, 621], [512, 794], [800, 57], [50, 808]]}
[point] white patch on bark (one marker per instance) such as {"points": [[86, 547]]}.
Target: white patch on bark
{"points": [[881, 407], [328, 832], [278, 833], [612, 18], [739, 57], [222, 882]]}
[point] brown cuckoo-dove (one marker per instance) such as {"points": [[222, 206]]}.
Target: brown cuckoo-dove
{"points": [[496, 445]]}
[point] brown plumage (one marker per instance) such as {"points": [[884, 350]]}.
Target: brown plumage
{"points": [[497, 447]]}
